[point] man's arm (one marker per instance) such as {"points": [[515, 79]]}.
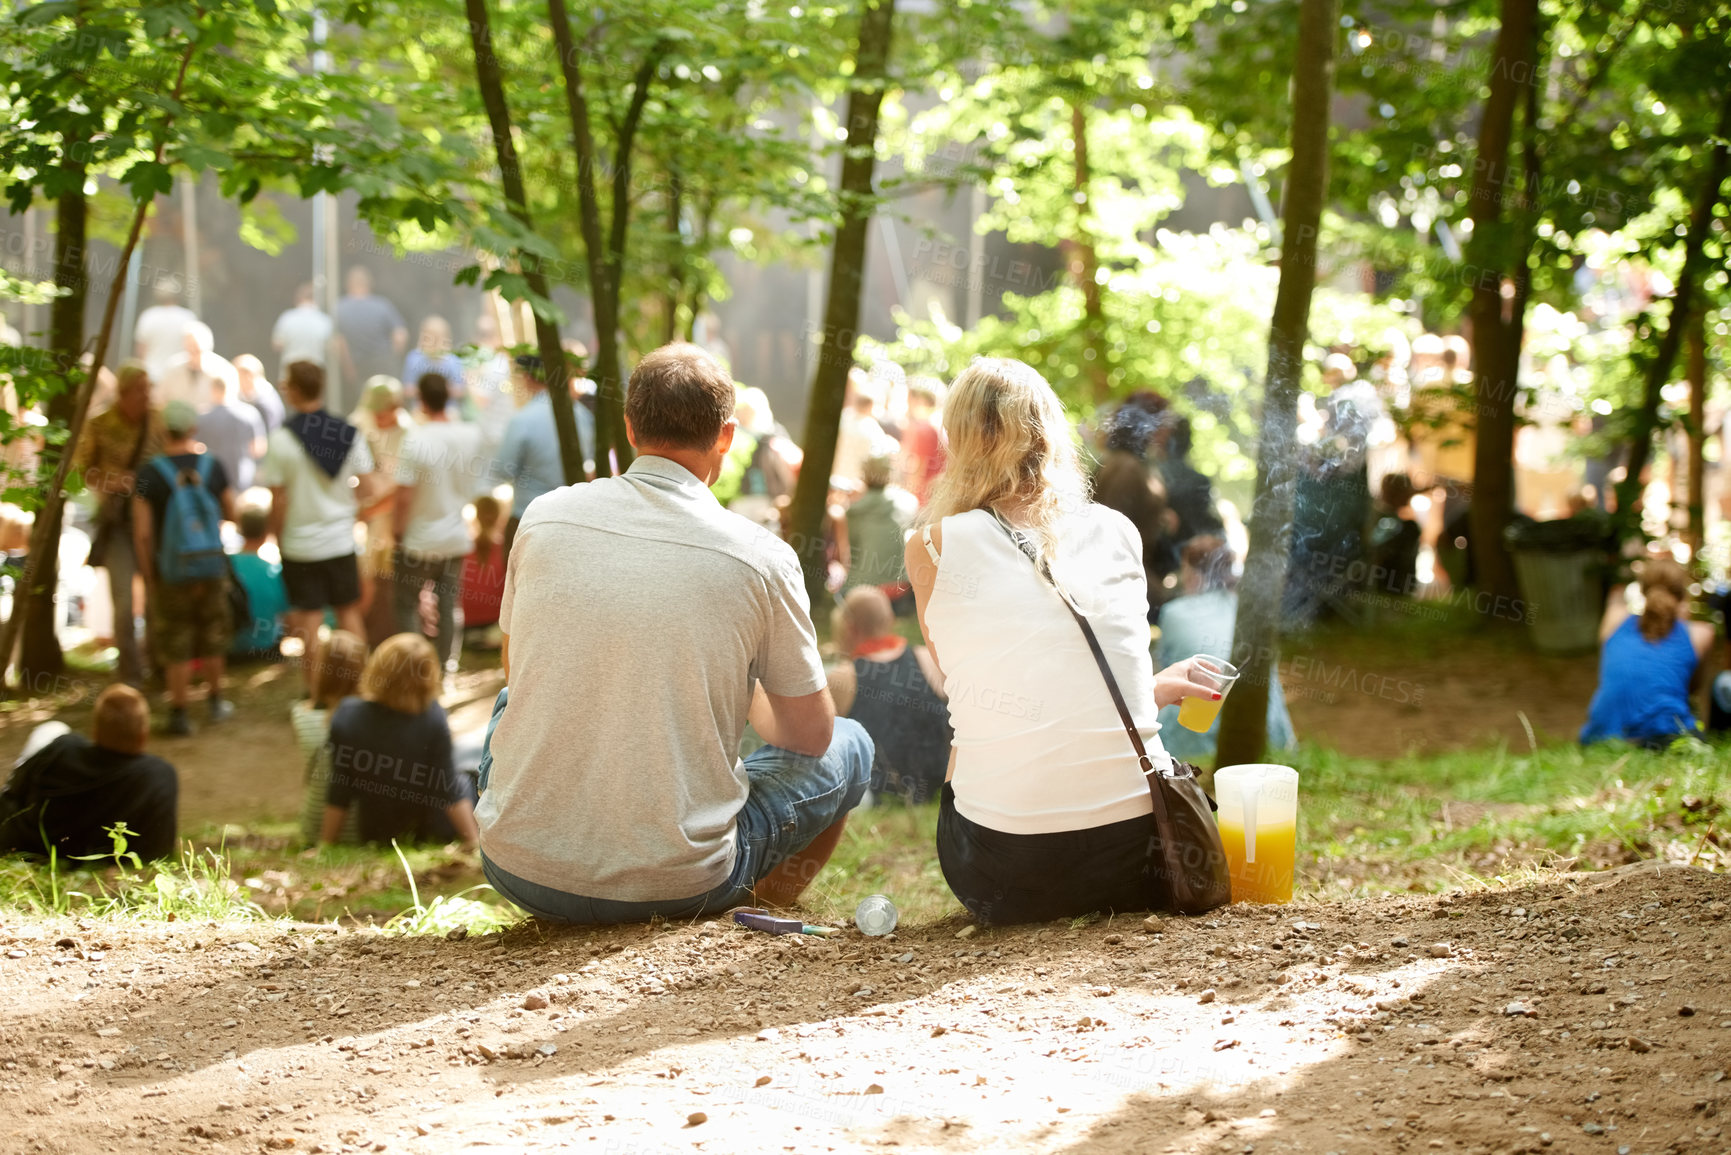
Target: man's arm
{"points": [[278, 511], [803, 725], [369, 486], [405, 501], [333, 824], [843, 685], [462, 816], [227, 501]]}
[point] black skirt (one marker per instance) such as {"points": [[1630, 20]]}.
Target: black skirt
{"points": [[1011, 878]]}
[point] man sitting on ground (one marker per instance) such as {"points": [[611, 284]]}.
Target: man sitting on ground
{"points": [[894, 691], [67, 791], [643, 624]]}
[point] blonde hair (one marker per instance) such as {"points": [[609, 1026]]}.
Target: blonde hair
{"points": [[1011, 451], [1665, 586], [129, 374], [337, 674], [403, 674]]}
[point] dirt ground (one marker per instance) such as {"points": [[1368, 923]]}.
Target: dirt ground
{"points": [[1584, 1013], [1385, 697]]}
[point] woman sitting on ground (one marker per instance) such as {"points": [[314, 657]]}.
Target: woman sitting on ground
{"points": [[336, 675], [1046, 813], [391, 753], [1648, 665]]}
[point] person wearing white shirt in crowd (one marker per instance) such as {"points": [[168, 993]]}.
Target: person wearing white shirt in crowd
{"points": [[493, 395], [233, 433], [302, 333], [258, 392], [860, 438], [160, 334], [189, 376], [319, 471], [435, 479]]}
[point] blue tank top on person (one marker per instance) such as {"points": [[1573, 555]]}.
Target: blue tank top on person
{"points": [[1643, 692]]}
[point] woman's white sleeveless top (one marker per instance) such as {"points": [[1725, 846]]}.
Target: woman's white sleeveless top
{"points": [[1039, 746]]}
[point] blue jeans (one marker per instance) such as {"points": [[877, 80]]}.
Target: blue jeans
{"points": [[792, 799]]}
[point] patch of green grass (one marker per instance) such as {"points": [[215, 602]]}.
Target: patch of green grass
{"points": [[888, 850], [1428, 823], [199, 885], [1365, 826]]}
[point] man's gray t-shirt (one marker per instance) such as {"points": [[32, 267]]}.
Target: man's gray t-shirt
{"points": [[639, 614]]}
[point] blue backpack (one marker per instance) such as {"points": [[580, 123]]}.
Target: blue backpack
{"points": [[191, 547]]}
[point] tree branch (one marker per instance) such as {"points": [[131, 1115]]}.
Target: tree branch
{"points": [[622, 158]]}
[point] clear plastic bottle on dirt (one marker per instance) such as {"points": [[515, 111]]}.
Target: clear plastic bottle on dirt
{"points": [[875, 915]]}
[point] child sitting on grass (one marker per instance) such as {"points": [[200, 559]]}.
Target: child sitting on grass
{"points": [[336, 676], [390, 754]]}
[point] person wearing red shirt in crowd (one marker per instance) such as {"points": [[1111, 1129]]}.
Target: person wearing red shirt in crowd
{"points": [[484, 568], [923, 452]]}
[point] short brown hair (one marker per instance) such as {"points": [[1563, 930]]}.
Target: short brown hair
{"points": [[403, 674], [337, 675], [306, 379], [680, 397], [122, 720]]}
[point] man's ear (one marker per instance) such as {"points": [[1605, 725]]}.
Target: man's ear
{"points": [[724, 441], [630, 433]]}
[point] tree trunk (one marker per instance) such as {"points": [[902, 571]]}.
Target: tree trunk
{"points": [[1682, 304], [676, 267], [45, 532], [1084, 262], [553, 365], [40, 659], [841, 310], [1696, 369], [1244, 720], [606, 255], [1496, 346]]}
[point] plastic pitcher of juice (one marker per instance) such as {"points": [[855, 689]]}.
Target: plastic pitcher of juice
{"points": [[1258, 820]]}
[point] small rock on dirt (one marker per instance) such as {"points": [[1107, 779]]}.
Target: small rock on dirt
{"points": [[457, 934], [762, 1081], [1441, 950], [1152, 924], [696, 1119], [967, 931], [1206, 996], [1519, 1009], [874, 1089], [1638, 1045], [534, 1001], [1686, 1010]]}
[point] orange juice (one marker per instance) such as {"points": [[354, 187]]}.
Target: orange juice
{"points": [[1198, 713], [1269, 878]]}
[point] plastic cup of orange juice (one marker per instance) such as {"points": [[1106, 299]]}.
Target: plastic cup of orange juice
{"points": [[1198, 714], [1258, 820]]}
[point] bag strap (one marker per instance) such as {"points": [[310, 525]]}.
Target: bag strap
{"points": [[1147, 763], [138, 446]]}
